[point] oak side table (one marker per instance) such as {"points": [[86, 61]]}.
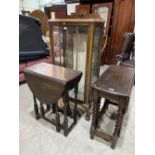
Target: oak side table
{"points": [[48, 84], [115, 85]]}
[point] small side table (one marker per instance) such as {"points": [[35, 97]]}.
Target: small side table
{"points": [[115, 85], [48, 84]]}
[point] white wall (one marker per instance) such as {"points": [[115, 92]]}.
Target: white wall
{"points": [[28, 5], [71, 8], [44, 2]]}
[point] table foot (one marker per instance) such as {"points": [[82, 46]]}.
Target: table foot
{"points": [[114, 141], [92, 135]]}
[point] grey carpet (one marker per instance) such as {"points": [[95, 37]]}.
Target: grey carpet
{"points": [[38, 137]]}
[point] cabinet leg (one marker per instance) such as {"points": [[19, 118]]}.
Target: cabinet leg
{"points": [[89, 111]]}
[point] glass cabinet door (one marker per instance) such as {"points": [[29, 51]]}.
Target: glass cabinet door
{"points": [[76, 44], [70, 50]]}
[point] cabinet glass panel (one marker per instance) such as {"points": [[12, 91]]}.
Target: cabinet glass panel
{"points": [[96, 53], [70, 48]]}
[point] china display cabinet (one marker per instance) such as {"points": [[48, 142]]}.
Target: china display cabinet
{"points": [[76, 44]]}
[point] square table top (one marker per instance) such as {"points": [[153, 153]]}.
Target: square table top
{"points": [[54, 72], [116, 80]]}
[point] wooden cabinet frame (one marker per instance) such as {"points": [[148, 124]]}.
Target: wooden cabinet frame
{"points": [[90, 24]]}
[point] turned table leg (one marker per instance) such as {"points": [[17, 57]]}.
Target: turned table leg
{"points": [[98, 112], [75, 108], [36, 108], [53, 108], [104, 108], [65, 124], [69, 113], [119, 120], [93, 124], [47, 108], [57, 117], [42, 111]]}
